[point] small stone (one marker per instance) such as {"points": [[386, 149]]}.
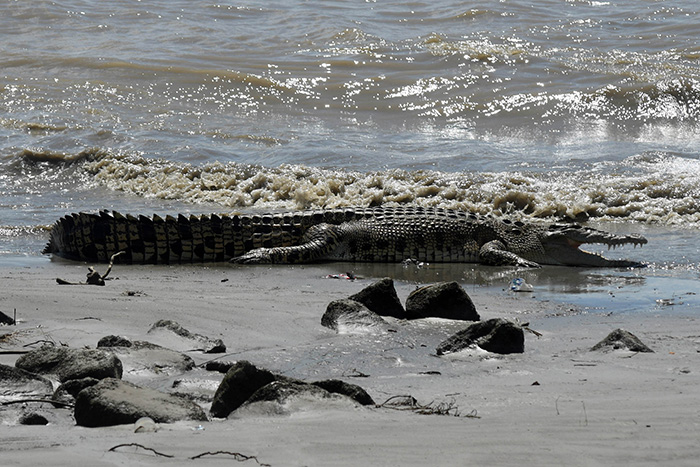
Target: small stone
{"points": [[381, 298], [33, 418], [114, 341], [495, 335], [239, 383], [187, 338], [353, 391], [621, 339], [68, 391], [145, 360], [221, 367], [20, 384], [68, 363], [4, 319], [442, 300], [287, 397], [145, 425], [349, 316], [116, 402]]}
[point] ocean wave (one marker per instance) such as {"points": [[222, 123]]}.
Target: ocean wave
{"points": [[652, 188]]}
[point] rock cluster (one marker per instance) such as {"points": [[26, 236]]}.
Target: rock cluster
{"points": [[363, 311], [245, 385], [90, 380]]}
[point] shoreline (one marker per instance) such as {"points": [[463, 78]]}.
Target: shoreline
{"points": [[587, 408]]}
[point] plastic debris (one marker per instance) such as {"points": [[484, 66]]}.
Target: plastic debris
{"points": [[347, 276], [519, 285]]}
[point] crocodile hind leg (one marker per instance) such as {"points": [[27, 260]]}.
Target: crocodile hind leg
{"points": [[317, 244], [494, 253]]}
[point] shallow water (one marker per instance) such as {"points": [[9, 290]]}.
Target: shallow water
{"points": [[546, 110]]}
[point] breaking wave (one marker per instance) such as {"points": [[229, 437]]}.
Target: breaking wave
{"points": [[652, 188]]}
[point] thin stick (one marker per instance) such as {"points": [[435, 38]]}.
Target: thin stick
{"points": [[111, 263], [48, 401], [114, 448], [237, 455]]}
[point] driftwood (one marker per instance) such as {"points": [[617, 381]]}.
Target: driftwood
{"points": [[93, 277]]}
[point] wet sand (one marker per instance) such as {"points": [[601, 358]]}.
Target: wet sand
{"points": [[556, 404]]}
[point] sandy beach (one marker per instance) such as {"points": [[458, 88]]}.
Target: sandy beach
{"points": [[556, 404]]}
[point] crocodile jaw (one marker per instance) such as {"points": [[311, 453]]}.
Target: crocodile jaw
{"points": [[566, 252]]}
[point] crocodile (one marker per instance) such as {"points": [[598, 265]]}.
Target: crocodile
{"points": [[372, 234]]}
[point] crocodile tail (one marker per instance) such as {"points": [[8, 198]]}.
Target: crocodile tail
{"points": [[95, 237], [85, 236], [144, 240]]}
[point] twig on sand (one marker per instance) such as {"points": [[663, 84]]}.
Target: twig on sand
{"points": [[93, 277], [410, 403], [114, 448], [236, 455], [48, 401], [356, 374], [526, 326], [40, 341]]}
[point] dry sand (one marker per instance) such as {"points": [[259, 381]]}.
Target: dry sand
{"points": [[556, 404]]}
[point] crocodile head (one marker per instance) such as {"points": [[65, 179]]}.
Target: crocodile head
{"points": [[561, 244]]}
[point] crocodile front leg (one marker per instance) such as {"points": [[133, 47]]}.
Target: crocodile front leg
{"points": [[494, 253], [317, 244]]}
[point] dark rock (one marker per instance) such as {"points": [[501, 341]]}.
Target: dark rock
{"points": [[68, 391], [621, 339], [4, 319], [285, 397], [241, 382], [381, 298], [191, 340], [442, 300], [221, 367], [144, 359], [33, 418], [115, 402], [351, 316], [495, 335], [67, 363], [16, 384], [114, 341], [353, 391]]}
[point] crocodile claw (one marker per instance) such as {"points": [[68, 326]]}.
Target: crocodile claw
{"points": [[259, 256]]}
